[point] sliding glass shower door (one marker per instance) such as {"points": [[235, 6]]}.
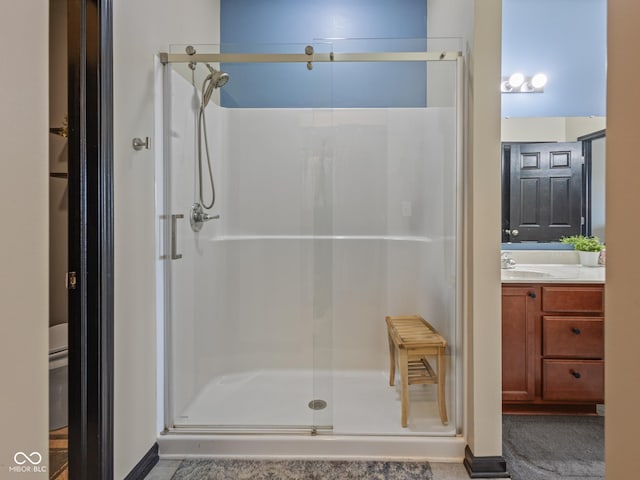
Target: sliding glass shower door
{"points": [[249, 281], [336, 168]]}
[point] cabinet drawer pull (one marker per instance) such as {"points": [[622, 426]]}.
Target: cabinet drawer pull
{"points": [[532, 294], [575, 374], [576, 330]]}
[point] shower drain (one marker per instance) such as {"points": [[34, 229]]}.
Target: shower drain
{"points": [[317, 404]]}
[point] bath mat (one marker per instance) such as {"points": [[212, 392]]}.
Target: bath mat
{"points": [[232, 469], [551, 447]]}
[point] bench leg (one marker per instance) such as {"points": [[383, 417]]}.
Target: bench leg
{"points": [[404, 376], [392, 361], [442, 378]]}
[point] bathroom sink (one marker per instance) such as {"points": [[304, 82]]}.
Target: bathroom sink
{"points": [[552, 273], [525, 274]]}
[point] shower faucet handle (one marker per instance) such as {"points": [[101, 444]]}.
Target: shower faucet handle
{"points": [[206, 217], [199, 216]]}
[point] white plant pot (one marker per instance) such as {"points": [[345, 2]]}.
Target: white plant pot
{"points": [[589, 259]]}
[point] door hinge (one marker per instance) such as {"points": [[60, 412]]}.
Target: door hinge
{"points": [[71, 281]]}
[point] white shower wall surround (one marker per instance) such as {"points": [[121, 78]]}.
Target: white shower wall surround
{"points": [[330, 220]]}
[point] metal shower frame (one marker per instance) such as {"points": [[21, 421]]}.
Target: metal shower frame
{"points": [[309, 57]]}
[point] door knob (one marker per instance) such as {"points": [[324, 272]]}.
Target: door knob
{"points": [[513, 233]]}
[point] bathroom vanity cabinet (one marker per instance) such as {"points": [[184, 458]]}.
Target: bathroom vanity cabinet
{"points": [[552, 347]]}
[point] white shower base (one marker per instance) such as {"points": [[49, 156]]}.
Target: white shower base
{"points": [[358, 403], [365, 409]]}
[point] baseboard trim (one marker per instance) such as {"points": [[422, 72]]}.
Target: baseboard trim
{"points": [[145, 465], [485, 467], [549, 409]]}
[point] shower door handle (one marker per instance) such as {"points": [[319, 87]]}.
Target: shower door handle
{"points": [[174, 241]]}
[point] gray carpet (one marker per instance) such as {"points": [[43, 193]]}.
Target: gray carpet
{"points": [[553, 447], [300, 470]]}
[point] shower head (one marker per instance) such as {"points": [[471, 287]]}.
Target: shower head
{"points": [[218, 78], [215, 79]]}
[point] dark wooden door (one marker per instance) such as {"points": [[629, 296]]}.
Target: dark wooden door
{"points": [[545, 191], [520, 306], [90, 142]]}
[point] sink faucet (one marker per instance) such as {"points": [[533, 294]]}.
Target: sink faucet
{"points": [[506, 261]]}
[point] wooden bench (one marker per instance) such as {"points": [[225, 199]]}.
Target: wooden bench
{"points": [[415, 339]]}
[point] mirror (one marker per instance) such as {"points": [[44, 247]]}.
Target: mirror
{"points": [[553, 181]]}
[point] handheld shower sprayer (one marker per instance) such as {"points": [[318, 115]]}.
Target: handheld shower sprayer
{"points": [[218, 78], [215, 79]]}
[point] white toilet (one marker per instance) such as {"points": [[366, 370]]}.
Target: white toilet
{"points": [[58, 376]]}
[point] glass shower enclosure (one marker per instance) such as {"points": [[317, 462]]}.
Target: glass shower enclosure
{"points": [[333, 209]]}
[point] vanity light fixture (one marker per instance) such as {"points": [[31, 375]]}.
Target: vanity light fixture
{"points": [[519, 83]]}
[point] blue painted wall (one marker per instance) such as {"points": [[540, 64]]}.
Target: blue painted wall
{"points": [[566, 39], [287, 26]]}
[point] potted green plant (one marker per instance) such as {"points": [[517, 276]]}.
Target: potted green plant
{"points": [[588, 248]]}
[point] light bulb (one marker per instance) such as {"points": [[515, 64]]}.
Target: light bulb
{"points": [[516, 80], [539, 80]]}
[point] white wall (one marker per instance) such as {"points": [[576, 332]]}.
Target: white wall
{"points": [[451, 18], [479, 24], [24, 198], [449, 28], [482, 297], [549, 129], [141, 29]]}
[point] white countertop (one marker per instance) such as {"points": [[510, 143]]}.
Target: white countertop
{"points": [[553, 273]]}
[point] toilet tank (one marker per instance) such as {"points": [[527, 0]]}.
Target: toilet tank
{"points": [[58, 338]]}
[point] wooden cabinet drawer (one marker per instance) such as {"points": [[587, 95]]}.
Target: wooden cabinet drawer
{"points": [[576, 337], [573, 299], [579, 380]]}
